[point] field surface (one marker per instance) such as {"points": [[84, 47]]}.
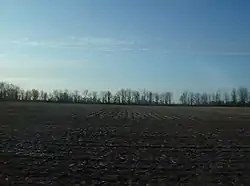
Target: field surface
{"points": [[65, 144]]}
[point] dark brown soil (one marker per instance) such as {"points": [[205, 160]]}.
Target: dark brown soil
{"points": [[58, 144]]}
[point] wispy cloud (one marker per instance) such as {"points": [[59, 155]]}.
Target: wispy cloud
{"points": [[106, 49], [27, 65], [126, 49], [222, 53], [86, 43], [144, 49], [165, 51], [110, 45], [74, 42], [237, 54], [49, 44], [102, 44]]}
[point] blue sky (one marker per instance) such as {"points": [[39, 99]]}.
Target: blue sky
{"points": [[163, 45]]}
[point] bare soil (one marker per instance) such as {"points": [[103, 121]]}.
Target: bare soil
{"points": [[65, 144]]}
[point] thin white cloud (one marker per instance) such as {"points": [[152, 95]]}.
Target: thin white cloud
{"points": [[72, 37], [106, 49], [223, 53], [127, 42], [237, 54], [98, 41], [49, 44], [165, 52], [15, 42], [85, 43], [144, 49], [23, 64], [126, 49]]}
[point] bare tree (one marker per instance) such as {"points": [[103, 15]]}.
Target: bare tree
{"points": [[40, 97], [190, 98], [136, 97], [239, 96], [2, 91], [108, 96], [76, 96], [197, 98], [28, 95], [143, 96], [51, 96], [226, 98], [243, 95], [22, 94], [94, 97], [150, 97], [234, 96], [103, 96], [169, 96], [65, 96], [123, 96], [204, 98], [84, 95], [117, 97], [184, 98], [248, 97], [128, 95], [156, 98], [35, 94], [218, 97], [45, 96]]}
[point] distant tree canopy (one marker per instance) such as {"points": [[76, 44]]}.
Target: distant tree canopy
{"points": [[237, 97]]}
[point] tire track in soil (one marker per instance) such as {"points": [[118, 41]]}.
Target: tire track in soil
{"points": [[95, 115], [155, 116], [181, 120], [162, 115], [114, 115], [135, 116], [123, 115], [142, 116]]}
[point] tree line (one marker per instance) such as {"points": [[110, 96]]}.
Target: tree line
{"points": [[237, 97]]}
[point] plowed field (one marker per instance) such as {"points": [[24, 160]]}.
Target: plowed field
{"points": [[65, 144]]}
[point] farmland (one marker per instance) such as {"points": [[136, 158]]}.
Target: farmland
{"points": [[73, 144]]}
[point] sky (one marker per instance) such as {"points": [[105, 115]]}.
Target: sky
{"points": [[163, 45]]}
